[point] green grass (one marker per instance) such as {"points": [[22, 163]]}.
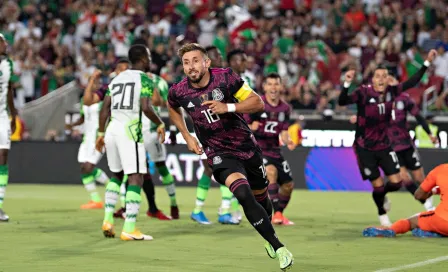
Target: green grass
{"points": [[48, 232]]}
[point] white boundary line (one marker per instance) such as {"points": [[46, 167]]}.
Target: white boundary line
{"points": [[414, 265]]}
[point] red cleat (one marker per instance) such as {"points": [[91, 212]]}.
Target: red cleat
{"points": [[159, 215], [120, 213], [174, 212]]}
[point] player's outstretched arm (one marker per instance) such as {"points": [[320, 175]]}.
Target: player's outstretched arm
{"points": [[424, 191], [177, 118], [415, 78], [421, 120], [89, 96], [80, 121], [12, 108], [149, 111], [344, 98]]}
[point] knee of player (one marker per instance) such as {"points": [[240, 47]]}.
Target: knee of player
{"points": [[377, 182], [208, 171], [288, 186]]}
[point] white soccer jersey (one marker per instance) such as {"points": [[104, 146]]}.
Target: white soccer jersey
{"points": [[91, 121], [5, 77], [125, 91]]}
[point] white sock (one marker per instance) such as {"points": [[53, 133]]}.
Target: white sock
{"points": [[123, 195], [102, 177]]}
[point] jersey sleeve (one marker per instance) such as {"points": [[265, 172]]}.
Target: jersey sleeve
{"points": [[147, 86], [162, 87], [430, 180], [238, 88], [347, 99], [81, 104], [107, 93], [172, 99], [11, 70]]}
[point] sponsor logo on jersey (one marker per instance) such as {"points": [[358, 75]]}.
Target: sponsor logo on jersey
{"points": [[217, 160], [400, 105], [217, 95]]}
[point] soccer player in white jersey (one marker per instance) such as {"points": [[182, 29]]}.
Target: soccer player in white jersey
{"points": [[128, 95], [88, 156], [7, 127]]}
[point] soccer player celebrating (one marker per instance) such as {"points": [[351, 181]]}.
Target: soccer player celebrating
{"points": [[215, 99], [425, 224], [403, 145], [88, 156], [7, 127], [205, 181], [372, 144], [127, 97], [268, 126]]}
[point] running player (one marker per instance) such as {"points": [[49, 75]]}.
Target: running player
{"points": [[88, 156], [215, 99], [268, 126], [372, 144], [204, 183], [425, 224], [7, 127], [127, 97], [403, 145]]}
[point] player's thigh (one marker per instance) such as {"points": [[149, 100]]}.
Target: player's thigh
{"points": [[256, 172], [271, 170], [411, 159], [112, 153], [82, 153], [223, 167], [430, 221], [367, 163], [156, 150], [133, 157], [388, 161], [5, 134], [284, 172]]}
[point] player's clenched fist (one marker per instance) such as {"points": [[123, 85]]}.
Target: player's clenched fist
{"points": [[431, 55], [193, 145], [216, 106], [99, 145], [349, 76], [161, 133]]}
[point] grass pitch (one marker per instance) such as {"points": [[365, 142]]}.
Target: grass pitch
{"points": [[48, 232]]}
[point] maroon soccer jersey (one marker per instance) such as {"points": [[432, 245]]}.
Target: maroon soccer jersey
{"points": [[374, 114], [273, 120], [398, 130], [224, 134]]}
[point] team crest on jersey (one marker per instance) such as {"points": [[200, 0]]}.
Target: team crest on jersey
{"points": [[217, 160], [400, 105], [281, 117], [367, 171], [217, 95], [204, 97]]}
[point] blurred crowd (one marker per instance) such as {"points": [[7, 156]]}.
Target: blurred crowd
{"points": [[310, 43]]}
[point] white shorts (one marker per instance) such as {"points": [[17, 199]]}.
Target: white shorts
{"points": [[156, 150], [88, 153], [5, 133], [123, 154]]}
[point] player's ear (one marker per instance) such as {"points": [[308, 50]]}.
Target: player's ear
{"points": [[208, 62]]}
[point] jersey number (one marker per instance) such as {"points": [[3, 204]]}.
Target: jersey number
{"points": [[263, 170], [270, 127], [382, 108], [125, 92], [286, 167], [395, 159], [211, 117]]}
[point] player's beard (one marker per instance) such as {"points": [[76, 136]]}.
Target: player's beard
{"points": [[195, 81]]}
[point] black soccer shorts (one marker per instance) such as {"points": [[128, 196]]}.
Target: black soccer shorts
{"points": [[369, 162], [253, 169], [409, 158], [283, 169]]}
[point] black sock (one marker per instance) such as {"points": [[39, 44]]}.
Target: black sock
{"points": [[254, 212], [264, 200], [378, 195], [412, 187], [148, 188], [392, 187]]}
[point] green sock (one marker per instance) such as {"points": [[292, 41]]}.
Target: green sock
{"points": [[133, 200], [201, 192], [111, 199], [235, 204], [226, 197], [168, 182], [3, 182], [100, 176], [89, 183]]}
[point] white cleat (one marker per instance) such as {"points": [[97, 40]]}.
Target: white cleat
{"points": [[387, 205], [429, 205], [385, 221]]}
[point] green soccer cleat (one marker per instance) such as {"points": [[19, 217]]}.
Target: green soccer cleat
{"points": [[285, 258], [270, 250]]}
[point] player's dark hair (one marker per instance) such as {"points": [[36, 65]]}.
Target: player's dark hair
{"points": [[234, 53], [189, 47], [137, 52], [381, 67], [211, 48], [123, 60], [272, 75]]}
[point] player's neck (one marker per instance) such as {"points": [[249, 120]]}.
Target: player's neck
{"points": [[273, 102], [204, 81]]}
